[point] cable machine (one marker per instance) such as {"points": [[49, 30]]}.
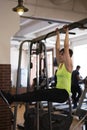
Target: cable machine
{"points": [[40, 47]]}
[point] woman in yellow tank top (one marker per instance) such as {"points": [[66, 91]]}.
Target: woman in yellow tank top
{"points": [[63, 87], [64, 60]]}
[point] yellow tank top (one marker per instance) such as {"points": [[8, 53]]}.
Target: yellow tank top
{"points": [[63, 78]]}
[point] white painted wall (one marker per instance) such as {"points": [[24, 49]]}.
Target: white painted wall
{"points": [[14, 58], [80, 54], [9, 25]]}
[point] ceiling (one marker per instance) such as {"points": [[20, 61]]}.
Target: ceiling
{"points": [[45, 16]]}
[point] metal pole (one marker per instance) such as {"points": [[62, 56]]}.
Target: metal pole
{"points": [[18, 81], [71, 26], [47, 83]]}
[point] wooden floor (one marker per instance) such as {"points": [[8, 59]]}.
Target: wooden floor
{"points": [[20, 114]]}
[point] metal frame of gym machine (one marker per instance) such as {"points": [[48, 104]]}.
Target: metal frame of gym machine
{"points": [[38, 51], [79, 24]]}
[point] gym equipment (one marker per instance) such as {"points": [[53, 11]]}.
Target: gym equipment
{"points": [[81, 111], [37, 41], [38, 49], [59, 122], [79, 24], [83, 94]]}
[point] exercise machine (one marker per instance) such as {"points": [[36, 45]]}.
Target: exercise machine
{"points": [[81, 111], [38, 42], [38, 49]]}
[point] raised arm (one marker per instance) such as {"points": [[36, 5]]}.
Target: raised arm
{"points": [[57, 46], [68, 61]]}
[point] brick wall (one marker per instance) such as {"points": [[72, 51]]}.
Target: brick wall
{"points": [[5, 84]]}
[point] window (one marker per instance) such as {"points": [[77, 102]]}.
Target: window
{"points": [[79, 58]]}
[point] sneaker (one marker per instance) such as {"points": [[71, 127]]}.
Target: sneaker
{"points": [[6, 97]]}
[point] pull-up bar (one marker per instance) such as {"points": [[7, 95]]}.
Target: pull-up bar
{"points": [[79, 24]]}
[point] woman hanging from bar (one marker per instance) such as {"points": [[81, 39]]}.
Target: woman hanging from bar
{"points": [[63, 87]]}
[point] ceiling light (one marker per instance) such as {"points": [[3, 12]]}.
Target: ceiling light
{"points": [[20, 8]]}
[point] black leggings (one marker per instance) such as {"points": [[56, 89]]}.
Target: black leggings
{"points": [[51, 95]]}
